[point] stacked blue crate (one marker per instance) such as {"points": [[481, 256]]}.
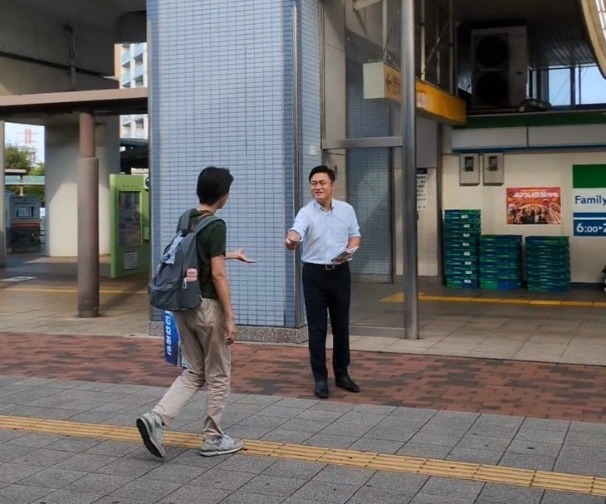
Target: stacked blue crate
{"points": [[548, 263], [501, 262], [462, 230]]}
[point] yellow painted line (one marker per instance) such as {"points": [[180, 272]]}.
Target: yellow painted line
{"points": [[399, 298], [544, 302], [458, 299], [431, 298], [576, 303], [527, 478], [61, 290], [485, 300], [394, 298]]}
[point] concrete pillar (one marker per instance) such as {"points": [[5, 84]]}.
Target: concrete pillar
{"points": [[88, 220], [279, 39], [61, 182], [3, 217]]}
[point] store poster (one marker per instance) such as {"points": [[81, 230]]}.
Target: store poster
{"points": [[589, 200], [422, 193], [534, 205]]}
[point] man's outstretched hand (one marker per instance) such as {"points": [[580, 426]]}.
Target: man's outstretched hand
{"points": [[240, 255]]}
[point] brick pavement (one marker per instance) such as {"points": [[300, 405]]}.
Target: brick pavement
{"points": [[541, 390], [534, 389]]}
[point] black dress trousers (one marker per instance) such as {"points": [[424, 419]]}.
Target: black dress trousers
{"points": [[327, 290]]}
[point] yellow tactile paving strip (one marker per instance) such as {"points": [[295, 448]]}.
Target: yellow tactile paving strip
{"points": [[587, 485], [399, 298]]}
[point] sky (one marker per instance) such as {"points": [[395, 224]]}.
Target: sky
{"points": [[16, 134], [593, 86]]}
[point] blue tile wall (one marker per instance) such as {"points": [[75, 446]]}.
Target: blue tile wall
{"points": [[310, 112], [292, 283], [221, 94], [154, 137]]}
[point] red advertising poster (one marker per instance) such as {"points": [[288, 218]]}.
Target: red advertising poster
{"points": [[534, 205]]}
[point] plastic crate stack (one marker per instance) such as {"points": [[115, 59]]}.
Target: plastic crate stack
{"points": [[547, 263], [500, 262], [462, 230]]}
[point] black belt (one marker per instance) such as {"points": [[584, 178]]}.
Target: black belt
{"points": [[326, 267]]}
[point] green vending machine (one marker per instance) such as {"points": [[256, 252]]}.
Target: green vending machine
{"points": [[129, 242]]}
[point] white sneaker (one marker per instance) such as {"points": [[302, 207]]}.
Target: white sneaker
{"points": [[152, 433], [221, 446]]}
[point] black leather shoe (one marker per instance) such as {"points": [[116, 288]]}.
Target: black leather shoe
{"points": [[345, 382], [321, 389]]}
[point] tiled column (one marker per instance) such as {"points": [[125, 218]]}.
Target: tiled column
{"points": [[221, 83]]}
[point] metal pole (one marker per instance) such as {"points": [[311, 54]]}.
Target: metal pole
{"points": [[422, 48], [409, 167], [438, 54], [385, 28], [3, 216], [573, 87], [88, 220], [580, 84], [451, 49]]}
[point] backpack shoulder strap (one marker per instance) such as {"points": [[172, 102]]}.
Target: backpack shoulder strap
{"points": [[183, 224], [203, 222]]}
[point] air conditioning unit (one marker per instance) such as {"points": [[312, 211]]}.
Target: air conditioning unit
{"points": [[500, 67]]}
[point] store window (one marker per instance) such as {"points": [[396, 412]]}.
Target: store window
{"points": [[559, 87], [589, 86], [592, 86]]}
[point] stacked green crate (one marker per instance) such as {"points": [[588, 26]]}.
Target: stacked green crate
{"points": [[500, 262], [548, 263], [462, 230]]}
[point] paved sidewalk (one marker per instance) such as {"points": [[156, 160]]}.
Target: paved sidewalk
{"points": [[543, 390], [57, 469], [427, 428], [487, 418]]}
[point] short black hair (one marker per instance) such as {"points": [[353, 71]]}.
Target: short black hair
{"points": [[213, 184], [323, 169]]}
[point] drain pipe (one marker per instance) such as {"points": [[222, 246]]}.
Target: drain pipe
{"points": [[72, 54]]}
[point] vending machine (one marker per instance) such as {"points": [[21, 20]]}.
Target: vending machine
{"points": [[23, 233], [129, 218]]}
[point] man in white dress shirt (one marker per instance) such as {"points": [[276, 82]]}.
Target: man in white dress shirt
{"points": [[326, 228]]}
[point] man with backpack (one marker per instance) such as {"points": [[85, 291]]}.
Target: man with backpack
{"points": [[205, 331]]}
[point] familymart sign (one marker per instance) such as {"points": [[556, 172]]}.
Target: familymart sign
{"points": [[589, 200]]}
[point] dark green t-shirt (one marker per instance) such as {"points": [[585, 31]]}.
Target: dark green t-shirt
{"points": [[211, 242]]}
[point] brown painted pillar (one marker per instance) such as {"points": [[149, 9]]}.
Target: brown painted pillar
{"points": [[3, 217], [88, 220]]}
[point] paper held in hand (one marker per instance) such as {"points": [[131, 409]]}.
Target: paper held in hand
{"points": [[346, 255]]}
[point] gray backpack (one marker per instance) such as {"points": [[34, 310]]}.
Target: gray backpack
{"points": [[169, 290]]}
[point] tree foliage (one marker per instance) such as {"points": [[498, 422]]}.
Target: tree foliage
{"points": [[16, 157]]}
